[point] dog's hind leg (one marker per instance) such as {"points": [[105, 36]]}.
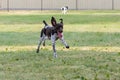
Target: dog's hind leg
{"points": [[44, 43], [42, 38], [40, 41]]}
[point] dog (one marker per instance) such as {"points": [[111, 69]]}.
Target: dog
{"points": [[52, 33], [64, 9]]}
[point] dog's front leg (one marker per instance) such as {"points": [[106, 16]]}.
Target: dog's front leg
{"points": [[53, 45], [64, 42]]}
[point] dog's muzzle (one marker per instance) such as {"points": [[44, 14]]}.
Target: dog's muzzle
{"points": [[59, 34]]}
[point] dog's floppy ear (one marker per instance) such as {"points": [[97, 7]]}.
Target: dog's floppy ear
{"points": [[61, 21], [53, 21]]}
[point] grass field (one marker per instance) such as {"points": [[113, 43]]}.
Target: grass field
{"points": [[93, 36]]}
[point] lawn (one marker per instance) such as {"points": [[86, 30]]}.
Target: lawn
{"points": [[93, 36]]}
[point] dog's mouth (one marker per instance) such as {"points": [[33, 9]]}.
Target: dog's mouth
{"points": [[59, 34]]}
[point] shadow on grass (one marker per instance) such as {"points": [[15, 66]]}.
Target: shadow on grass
{"points": [[69, 19], [74, 39]]}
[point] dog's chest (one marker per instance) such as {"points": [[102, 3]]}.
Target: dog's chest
{"points": [[54, 36]]}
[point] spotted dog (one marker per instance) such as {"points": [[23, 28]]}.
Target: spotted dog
{"points": [[52, 33], [64, 9]]}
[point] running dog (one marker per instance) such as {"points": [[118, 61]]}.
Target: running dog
{"points": [[52, 33]]}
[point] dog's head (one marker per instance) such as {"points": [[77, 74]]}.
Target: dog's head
{"points": [[66, 7], [58, 26]]}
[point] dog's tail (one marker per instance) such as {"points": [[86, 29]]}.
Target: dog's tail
{"points": [[45, 23], [61, 21]]}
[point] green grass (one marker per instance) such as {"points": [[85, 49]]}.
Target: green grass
{"points": [[93, 36]]}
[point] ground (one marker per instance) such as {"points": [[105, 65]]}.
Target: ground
{"points": [[93, 36]]}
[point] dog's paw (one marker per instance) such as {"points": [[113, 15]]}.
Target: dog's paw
{"points": [[67, 47], [37, 51]]}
